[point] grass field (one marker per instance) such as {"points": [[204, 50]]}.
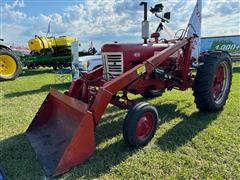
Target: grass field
{"points": [[188, 144]]}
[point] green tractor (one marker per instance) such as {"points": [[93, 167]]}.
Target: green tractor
{"points": [[10, 64], [52, 52]]}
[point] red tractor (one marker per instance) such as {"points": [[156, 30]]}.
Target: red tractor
{"points": [[62, 132]]}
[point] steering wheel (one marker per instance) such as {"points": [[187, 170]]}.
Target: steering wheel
{"points": [[182, 31], [163, 40]]}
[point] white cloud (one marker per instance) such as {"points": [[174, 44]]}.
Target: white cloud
{"points": [[229, 25], [16, 3], [102, 21], [9, 12], [12, 32]]}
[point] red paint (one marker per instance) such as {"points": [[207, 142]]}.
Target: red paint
{"points": [[68, 121], [128, 50], [218, 82], [144, 126]]}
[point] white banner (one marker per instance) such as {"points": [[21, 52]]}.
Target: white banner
{"points": [[195, 28], [75, 62]]}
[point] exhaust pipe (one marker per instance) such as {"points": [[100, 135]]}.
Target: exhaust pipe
{"points": [[145, 24]]}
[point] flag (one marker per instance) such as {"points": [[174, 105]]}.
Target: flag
{"points": [[195, 28], [49, 27], [91, 45]]}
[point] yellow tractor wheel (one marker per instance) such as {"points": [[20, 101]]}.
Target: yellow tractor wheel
{"points": [[10, 65]]}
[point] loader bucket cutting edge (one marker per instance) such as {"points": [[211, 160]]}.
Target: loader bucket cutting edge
{"points": [[61, 133]]}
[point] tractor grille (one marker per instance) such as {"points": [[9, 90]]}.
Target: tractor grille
{"points": [[113, 65]]}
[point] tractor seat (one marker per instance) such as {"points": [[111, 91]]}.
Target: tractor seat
{"points": [[155, 35]]}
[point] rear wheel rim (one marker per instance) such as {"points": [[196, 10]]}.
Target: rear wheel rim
{"points": [[220, 82], [144, 126], [8, 66]]}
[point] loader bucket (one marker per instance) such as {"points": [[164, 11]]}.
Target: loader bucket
{"points": [[61, 133]]}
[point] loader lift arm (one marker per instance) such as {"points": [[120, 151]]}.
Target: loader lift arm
{"points": [[108, 90]]}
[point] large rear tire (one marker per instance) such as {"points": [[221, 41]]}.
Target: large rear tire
{"points": [[140, 124], [10, 65], [213, 81]]}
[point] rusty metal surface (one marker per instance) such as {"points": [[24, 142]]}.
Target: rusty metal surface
{"points": [[50, 141], [58, 122]]}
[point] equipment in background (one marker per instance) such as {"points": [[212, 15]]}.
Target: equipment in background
{"points": [[85, 63], [51, 52], [44, 45], [230, 44], [62, 132], [89, 63], [75, 56], [10, 64], [63, 75]]}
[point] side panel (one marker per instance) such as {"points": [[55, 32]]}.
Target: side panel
{"points": [[226, 43]]}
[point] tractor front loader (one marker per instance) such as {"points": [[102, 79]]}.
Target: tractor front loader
{"points": [[62, 132]]}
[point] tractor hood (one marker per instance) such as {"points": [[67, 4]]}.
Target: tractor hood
{"points": [[134, 53], [117, 47]]}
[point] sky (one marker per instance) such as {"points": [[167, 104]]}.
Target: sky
{"points": [[104, 21]]}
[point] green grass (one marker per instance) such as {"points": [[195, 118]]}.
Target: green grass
{"points": [[188, 144]]}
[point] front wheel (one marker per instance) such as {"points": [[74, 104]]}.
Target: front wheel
{"points": [[140, 124], [213, 81]]}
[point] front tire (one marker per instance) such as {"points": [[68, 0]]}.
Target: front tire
{"points": [[140, 124], [213, 81]]}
